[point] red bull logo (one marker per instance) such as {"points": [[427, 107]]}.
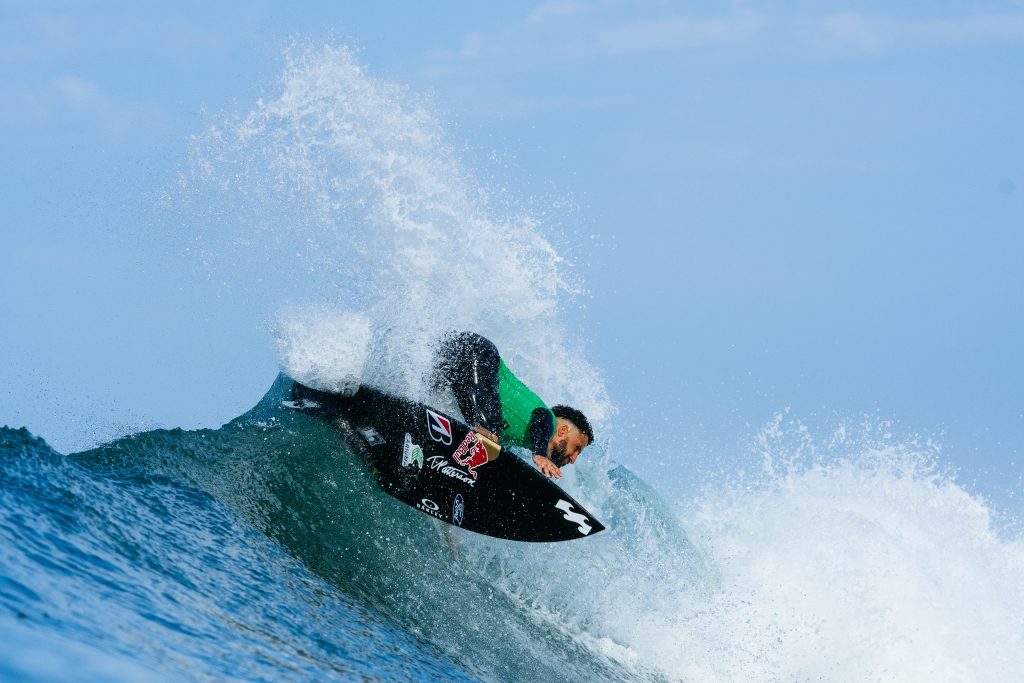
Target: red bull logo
{"points": [[471, 453]]}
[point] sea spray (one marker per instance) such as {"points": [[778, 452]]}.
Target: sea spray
{"points": [[324, 349], [851, 558], [341, 191]]}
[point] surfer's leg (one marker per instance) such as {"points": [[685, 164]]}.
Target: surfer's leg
{"points": [[449, 539], [468, 363]]}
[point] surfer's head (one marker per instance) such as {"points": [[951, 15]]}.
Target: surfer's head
{"points": [[572, 435]]}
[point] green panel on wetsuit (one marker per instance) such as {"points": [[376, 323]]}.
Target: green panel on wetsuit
{"points": [[517, 405]]}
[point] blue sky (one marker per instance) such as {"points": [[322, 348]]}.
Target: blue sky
{"points": [[814, 205]]}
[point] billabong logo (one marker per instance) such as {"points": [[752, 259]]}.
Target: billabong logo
{"points": [[411, 453], [574, 517], [458, 510], [439, 427]]}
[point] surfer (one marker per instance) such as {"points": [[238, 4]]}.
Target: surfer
{"points": [[499, 406]]}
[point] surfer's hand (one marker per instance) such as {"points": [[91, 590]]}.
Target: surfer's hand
{"points": [[546, 467], [483, 431]]}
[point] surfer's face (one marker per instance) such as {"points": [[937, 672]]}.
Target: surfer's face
{"points": [[567, 444]]}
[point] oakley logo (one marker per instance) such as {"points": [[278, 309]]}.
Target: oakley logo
{"points": [[574, 517], [430, 507]]}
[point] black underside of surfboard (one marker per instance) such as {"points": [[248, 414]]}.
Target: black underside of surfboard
{"points": [[435, 463]]}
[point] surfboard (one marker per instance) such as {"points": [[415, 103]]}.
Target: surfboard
{"points": [[433, 462]]}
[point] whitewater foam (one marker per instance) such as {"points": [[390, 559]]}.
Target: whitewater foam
{"points": [[850, 558], [854, 561]]}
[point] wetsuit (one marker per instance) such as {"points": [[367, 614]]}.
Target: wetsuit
{"points": [[489, 395]]}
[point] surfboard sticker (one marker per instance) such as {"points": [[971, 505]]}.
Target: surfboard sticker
{"points": [[471, 453], [430, 507], [439, 427], [371, 436], [411, 453], [458, 510], [574, 517], [439, 464]]}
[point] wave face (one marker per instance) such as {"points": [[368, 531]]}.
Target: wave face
{"points": [[265, 551], [115, 572]]}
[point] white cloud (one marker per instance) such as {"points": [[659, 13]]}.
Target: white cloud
{"points": [[988, 28], [479, 45], [57, 32], [79, 93], [84, 97], [853, 32], [848, 32], [573, 31], [578, 30], [569, 28], [556, 9], [678, 33]]}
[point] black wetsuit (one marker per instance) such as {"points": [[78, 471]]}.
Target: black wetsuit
{"points": [[489, 395]]}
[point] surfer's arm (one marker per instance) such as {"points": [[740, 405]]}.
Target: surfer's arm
{"points": [[541, 429]]}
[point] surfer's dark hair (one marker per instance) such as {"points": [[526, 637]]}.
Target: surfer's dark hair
{"points": [[577, 418]]}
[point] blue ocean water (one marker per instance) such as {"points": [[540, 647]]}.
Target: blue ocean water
{"points": [[259, 551], [112, 573], [264, 551]]}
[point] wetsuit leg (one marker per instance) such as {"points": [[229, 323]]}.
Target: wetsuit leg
{"points": [[468, 363]]}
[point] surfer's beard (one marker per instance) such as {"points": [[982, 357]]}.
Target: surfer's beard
{"points": [[559, 456]]}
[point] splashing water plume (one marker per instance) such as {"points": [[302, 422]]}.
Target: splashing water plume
{"points": [[346, 183]]}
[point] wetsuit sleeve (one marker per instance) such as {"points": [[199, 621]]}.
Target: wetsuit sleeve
{"points": [[542, 428], [468, 364]]}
